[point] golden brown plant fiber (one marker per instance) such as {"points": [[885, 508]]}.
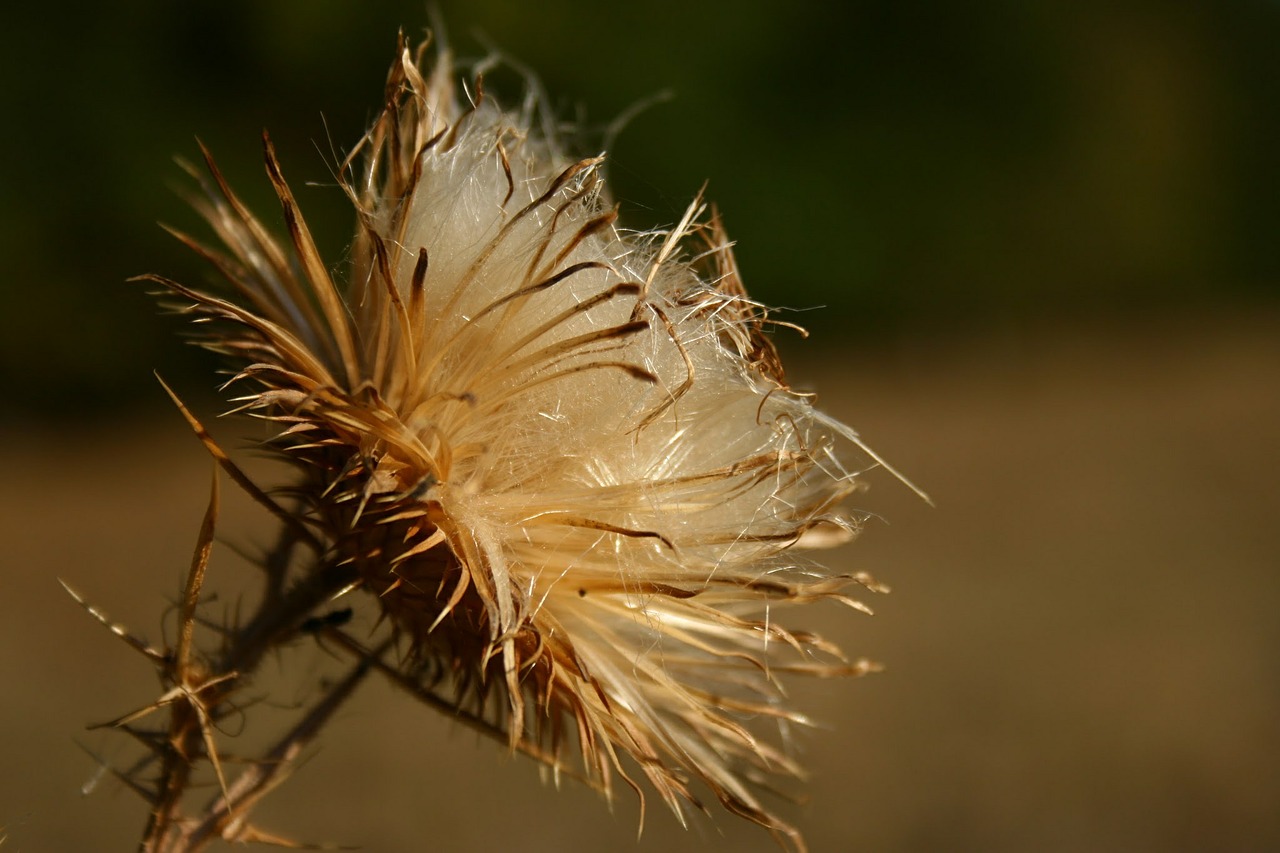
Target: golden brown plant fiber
{"points": [[563, 457]]}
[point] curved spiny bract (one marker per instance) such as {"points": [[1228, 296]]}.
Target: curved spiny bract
{"points": [[563, 457]]}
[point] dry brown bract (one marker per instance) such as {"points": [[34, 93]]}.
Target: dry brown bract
{"points": [[563, 457]]}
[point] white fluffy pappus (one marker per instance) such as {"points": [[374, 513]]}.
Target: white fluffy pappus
{"points": [[563, 457]]}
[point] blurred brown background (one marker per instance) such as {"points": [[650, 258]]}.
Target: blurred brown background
{"points": [[1045, 239]]}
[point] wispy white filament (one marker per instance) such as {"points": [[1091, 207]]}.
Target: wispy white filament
{"points": [[564, 457]]}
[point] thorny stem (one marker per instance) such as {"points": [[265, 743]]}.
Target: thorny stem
{"points": [[201, 694], [198, 690], [275, 622], [175, 772], [219, 820], [186, 729], [278, 617]]}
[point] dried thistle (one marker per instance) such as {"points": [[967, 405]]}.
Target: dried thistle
{"points": [[563, 457]]}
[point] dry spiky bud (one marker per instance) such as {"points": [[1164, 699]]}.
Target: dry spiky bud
{"points": [[563, 458]]}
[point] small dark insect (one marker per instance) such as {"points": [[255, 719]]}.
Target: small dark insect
{"points": [[332, 619]]}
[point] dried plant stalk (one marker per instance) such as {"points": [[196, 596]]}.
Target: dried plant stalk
{"points": [[564, 458]]}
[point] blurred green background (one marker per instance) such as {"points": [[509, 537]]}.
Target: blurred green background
{"points": [[945, 166], [1045, 238]]}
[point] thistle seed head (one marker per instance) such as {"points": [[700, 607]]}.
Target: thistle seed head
{"points": [[563, 457]]}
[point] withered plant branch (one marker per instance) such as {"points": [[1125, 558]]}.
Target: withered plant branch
{"points": [[198, 688], [226, 816], [275, 622], [189, 723], [272, 625], [195, 579]]}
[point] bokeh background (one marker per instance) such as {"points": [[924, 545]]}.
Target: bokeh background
{"points": [[1035, 244]]}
